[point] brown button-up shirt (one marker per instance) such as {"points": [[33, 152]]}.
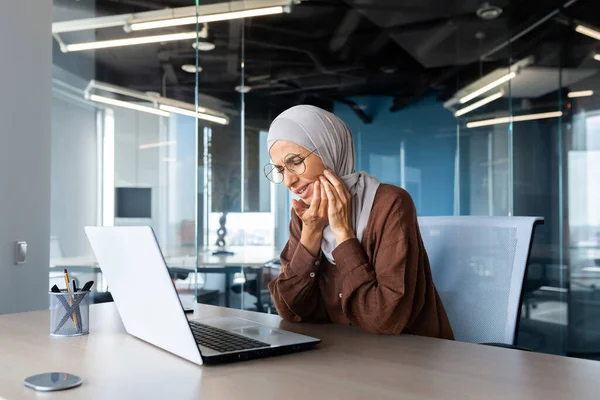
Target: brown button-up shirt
{"points": [[382, 285]]}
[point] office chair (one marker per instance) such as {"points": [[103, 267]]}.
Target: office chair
{"points": [[478, 266]]}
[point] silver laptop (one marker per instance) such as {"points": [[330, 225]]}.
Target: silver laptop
{"points": [[145, 296]]}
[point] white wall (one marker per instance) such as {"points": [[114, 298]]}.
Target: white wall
{"points": [[25, 104]]}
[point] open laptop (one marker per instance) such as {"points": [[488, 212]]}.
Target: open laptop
{"points": [[133, 264]]}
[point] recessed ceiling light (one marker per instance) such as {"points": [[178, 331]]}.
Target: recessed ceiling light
{"points": [[244, 89], [488, 11], [204, 46], [191, 68]]}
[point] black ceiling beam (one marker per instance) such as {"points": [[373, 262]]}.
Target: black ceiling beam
{"points": [[288, 32], [235, 38], [400, 102], [357, 110], [170, 74], [346, 27]]}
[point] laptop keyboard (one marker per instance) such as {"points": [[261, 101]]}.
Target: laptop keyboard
{"points": [[222, 340]]}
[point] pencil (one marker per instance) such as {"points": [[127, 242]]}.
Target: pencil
{"points": [[70, 298]]}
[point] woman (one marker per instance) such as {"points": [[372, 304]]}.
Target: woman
{"points": [[355, 254]]}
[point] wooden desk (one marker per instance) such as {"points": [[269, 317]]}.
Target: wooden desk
{"points": [[348, 364]]}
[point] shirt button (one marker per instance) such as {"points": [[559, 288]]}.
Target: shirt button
{"points": [[340, 295], [312, 274], [317, 263]]}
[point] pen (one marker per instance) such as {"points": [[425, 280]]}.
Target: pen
{"points": [[70, 297], [74, 285], [87, 286]]}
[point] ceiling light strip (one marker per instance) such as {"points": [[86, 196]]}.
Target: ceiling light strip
{"points": [[126, 104], [129, 42], [222, 9], [581, 93], [584, 30], [191, 113], [518, 118], [157, 144], [488, 87], [478, 104], [164, 23]]}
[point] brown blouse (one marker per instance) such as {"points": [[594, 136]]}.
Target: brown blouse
{"points": [[383, 285]]}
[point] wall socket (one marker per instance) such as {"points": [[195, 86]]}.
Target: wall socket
{"points": [[20, 252]]}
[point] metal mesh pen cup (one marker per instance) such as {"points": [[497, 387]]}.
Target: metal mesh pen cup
{"points": [[69, 313]]}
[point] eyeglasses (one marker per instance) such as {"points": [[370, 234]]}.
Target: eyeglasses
{"points": [[294, 163]]}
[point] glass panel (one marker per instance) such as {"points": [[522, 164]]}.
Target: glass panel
{"points": [[578, 217], [409, 83], [76, 164], [220, 275], [485, 167], [124, 145], [537, 189]]}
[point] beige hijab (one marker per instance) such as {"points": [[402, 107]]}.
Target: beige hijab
{"points": [[316, 129]]}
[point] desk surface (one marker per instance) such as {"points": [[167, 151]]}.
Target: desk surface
{"points": [[348, 364]]}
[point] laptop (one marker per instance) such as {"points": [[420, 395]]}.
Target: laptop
{"points": [[145, 296]]}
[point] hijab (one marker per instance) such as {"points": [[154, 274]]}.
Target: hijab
{"points": [[316, 129]]}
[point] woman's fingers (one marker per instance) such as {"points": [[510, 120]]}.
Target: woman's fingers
{"points": [[332, 198], [324, 202], [298, 208], [316, 198], [329, 189], [340, 188]]}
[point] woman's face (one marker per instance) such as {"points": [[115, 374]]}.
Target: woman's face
{"points": [[302, 184]]}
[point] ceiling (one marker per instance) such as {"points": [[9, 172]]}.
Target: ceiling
{"points": [[333, 50]]}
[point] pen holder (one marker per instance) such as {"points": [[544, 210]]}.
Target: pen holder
{"points": [[69, 313]]}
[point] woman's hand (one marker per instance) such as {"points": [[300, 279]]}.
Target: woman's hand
{"points": [[339, 209], [314, 218]]}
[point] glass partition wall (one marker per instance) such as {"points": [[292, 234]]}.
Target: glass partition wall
{"points": [[473, 109], [124, 135]]}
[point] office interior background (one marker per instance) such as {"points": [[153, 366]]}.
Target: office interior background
{"points": [[474, 108]]}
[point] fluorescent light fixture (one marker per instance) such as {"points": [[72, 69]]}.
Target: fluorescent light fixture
{"points": [[518, 118], [157, 144], [597, 57], [584, 30], [158, 105], [581, 93], [478, 104], [164, 23], [126, 104], [488, 87], [103, 44], [199, 115]]}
